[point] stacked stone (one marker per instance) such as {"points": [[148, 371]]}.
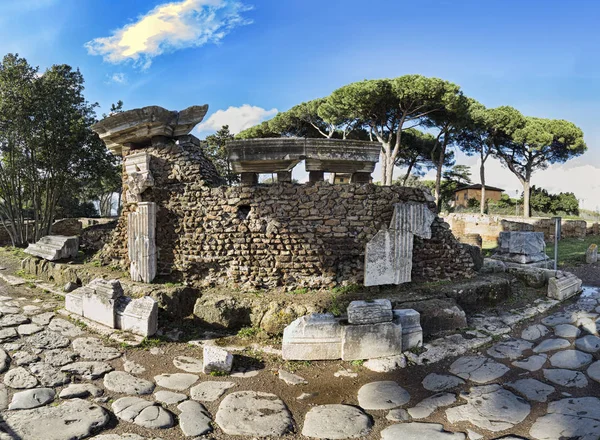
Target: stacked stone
{"points": [[372, 330]]}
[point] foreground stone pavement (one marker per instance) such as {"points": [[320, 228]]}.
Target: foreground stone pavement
{"points": [[59, 382]]}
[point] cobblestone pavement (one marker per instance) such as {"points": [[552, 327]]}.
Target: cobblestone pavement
{"points": [[61, 382]]}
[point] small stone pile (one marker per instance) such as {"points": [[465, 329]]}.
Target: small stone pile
{"points": [[372, 330]]}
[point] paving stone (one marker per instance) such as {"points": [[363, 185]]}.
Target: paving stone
{"points": [[65, 328], [573, 418], [441, 382], [398, 415], [72, 420], [532, 363], [122, 382], [512, 349], [169, 397], [31, 309], [478, 369], [534, 332], [210, 391], [386, 364], [133, 367], [93, 349], [47, 340], [490, 407], [382, 395], [13, 346], [29, 329], [8, 334], [32, 398], [559, 318], [589, 344], [336, 422], [48, 375], [427, 406], [13, 320], [59, 357], [87, 369], [551, 345], [254, 413], [419, 431], [594, 371], [19, 378], [142, 413], [43, 318], [194, 419], [124, 437], [189, 364], [345, 373], [3, 397], [570, 359], [532, 389], [176, 381], [7, 309], [290, 378], [566, 331], [566, 378], [24, 358], [82, 390]]}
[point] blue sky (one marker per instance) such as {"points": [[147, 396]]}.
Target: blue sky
{"points": [[252, 58]]}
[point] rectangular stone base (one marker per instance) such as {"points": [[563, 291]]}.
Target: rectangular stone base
{"points": [[371, 341], [313, 337], [412, 332], [564, 287]]}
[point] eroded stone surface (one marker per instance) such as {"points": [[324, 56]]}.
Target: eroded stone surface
{"points": [[419, 431], [48, 375], [47, 340], [74, 419], [32, 398], [65, 328], [59, 357], [189, 364], [169, 397], [291, 378], [551, 345], [566, 378], [573, 418], [336, 422], [478, 369], [512, 349], [532, 363], [93, 349], [589, 344], [82, 390], [194, 419], [176, 381], [534, 332], [566, 331], [382, 395], [210, 391], [570, 359], [441, 382], [19, 378], [87, 369], [532, 389], [490, 407], [122, 382], [142, 413], [427, 406], [253, 413]]}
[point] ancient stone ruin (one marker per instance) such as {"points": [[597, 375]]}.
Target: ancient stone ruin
{"points": [[372, 330], [522, 248], [181, 221], [54, 247]]}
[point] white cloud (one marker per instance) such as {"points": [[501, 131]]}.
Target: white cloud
{"points": [[168, 27], [238, 118], [118, 78]]}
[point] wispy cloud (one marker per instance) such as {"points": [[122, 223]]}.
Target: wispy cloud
{"points": [[169, 27], [238, 118], [118, 78]]}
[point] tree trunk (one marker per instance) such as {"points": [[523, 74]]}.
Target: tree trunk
{"points": [[526, 197], [438, 175], [482, 177], [383, 167], [389, 175], [407, 175]]}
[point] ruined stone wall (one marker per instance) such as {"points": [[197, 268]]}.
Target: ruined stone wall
{"points": [[310, 235]]}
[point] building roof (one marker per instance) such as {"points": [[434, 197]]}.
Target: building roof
{"points": [[478, 186]]}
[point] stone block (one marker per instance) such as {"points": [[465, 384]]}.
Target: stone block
{"points": [[412, 333], [493, 266], [74, 303], [139, 316], [591, 255], [371, 341], [99, 300], [139, 178], [313, 337], [54, 247], [522, 242], [564, 286], [216, 360], [370, 312]]}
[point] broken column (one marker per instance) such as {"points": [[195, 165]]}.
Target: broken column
{"points": [[388, 255], [99, 300], [141, 230]]}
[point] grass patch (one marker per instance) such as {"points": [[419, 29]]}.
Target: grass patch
{"points": [[25, 275], [302, 291], [248, 332], [148, 343], [293, 366], [357, 363], [571, 251]]}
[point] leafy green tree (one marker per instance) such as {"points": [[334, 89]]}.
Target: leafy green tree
{"points": [[537, 144], [217, 153], [262, 130]]}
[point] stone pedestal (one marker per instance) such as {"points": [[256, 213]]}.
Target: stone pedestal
{"points": [[313, 337], [139, 316], [369, 341], [249, 179], [316, 176], [412, 333], [521, 247], [564, 286], [99, 300], [142, 242]]}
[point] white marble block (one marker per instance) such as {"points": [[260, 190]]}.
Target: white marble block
{"points": [[54, 247], [141, 236], [370, 311], [313, 337], [74, 303], [139, 316], [139, 179], [216, 360], [563, 287], [99, 300], [412, 332], [369, 341]]}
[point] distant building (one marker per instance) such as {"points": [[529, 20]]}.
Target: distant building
{"points": [[462, 195]]}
